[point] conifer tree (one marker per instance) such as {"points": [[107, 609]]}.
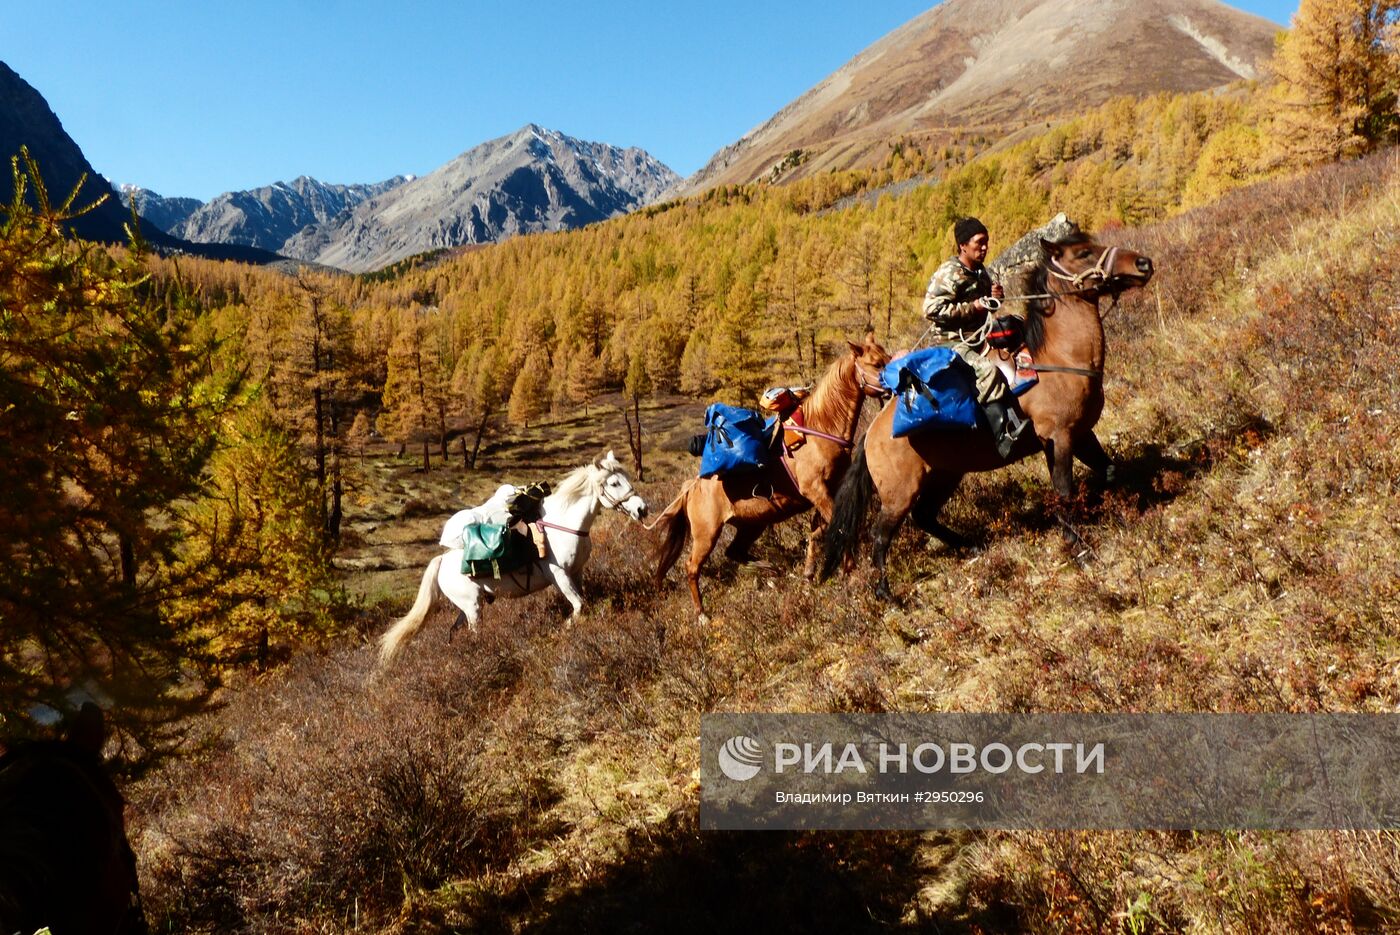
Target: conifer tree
{"points": [[1338, 75], [110, 403], [254, 542], [637, 386], [584, 378], [415, 387], [529, 393], [479, 385]]}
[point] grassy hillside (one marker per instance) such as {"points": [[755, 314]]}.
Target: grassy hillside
{"points": [[533, 778]]}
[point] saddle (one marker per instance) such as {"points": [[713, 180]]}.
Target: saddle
{"points": [[784, 404], [1006, 338], [490, 550], [1017, 369]]}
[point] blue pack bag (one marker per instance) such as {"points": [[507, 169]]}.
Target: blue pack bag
{"points": [[933, 388], [735, 439]]}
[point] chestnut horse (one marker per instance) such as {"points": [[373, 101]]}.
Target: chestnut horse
{"points": [[800, 480], [921, 471]]}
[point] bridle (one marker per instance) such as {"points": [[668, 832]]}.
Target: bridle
{"points": [[616, 504], [1100, 270], [866, 383]]}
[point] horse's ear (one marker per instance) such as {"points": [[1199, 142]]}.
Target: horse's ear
{"points": [[856, 349], [88, 731], [610, 456], [1051, 250], [869, 337]]}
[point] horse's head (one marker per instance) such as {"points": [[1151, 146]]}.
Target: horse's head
{"points": [[615, 488], [870, 358], [1092, 269]]}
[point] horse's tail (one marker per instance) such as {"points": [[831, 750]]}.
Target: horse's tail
{"points": [[391, 642], [848, 513], [674, 524]]}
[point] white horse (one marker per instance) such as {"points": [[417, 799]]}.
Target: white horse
{"points": [[568, 513]]}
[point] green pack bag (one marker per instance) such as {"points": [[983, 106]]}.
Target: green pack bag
{"points": [[489, 551]]}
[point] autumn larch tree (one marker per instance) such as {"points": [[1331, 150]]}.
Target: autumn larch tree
{"points": [[110, 409], [1338, 75]]}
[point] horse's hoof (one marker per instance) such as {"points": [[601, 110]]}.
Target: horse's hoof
{"points": [[1110, 476], [886, 594], [702, 619]]}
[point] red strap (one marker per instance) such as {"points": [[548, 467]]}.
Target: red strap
{"points": [[803, 430], [582, 534]]}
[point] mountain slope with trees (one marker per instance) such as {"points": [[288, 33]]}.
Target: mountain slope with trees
{"points": [[979, 69]]}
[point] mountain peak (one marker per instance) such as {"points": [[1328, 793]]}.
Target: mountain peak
{"points": [[534, 179], [997, 65]]}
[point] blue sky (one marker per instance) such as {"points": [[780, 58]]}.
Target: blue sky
{"points": [[197, 97]]}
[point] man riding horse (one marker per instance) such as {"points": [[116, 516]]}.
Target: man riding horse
{"points": [[957, 302]]}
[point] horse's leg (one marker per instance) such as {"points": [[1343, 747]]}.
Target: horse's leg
{"points": [[886, 525], [704, 533], [566, 586], [937, 491], [468, 604], [457, 622], [744, 538], [1059, 457], [823, 505], [1091, 454]]}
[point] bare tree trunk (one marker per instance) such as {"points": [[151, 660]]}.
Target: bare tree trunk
{"points": [[634, 435], [889, 302], [336, 513], [128, 559], [480, 431], [427, 465]]}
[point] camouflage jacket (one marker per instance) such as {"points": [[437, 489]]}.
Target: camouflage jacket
{"points": [[951, 292]]}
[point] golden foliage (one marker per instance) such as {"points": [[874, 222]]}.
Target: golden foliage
{"points": [[1338, 74]]}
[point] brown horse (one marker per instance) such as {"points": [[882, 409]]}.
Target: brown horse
{"points": [[800, 480], [65, 862], [921, 471]]}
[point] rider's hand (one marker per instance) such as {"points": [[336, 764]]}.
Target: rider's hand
{"points": [[997, 291]]}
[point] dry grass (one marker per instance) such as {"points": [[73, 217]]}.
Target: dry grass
{"points": [[529, 778]]}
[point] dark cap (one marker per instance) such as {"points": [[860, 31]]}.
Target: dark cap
{"points": [[968, 228]]}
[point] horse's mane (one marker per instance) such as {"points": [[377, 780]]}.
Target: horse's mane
{"points": [[583, 481], [1034, 279], [824, 404]]}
